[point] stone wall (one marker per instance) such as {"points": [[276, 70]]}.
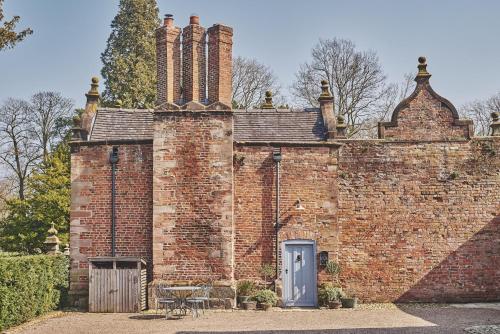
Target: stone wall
{"points": [[193, 197], [90, 219]]}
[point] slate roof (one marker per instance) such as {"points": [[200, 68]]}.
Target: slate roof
{"points": [[278, 126], [258, 125], [114, 124]]}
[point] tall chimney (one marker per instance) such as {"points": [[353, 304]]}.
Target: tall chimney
{"points": [[220, 64], [168, 62], [193, 61]]}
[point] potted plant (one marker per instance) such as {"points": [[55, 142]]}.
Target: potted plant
{"points": [[333, 269], [349, 302], [267, 271], [265, 299], [330, 295], [244, 290]]}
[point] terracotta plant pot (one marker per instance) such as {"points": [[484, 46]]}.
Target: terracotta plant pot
{"points": [[349, 302], [249, 305], [242, 299], [334, 304], [265, 306]]}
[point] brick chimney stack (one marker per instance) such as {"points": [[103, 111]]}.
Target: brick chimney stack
{"points": [[168, 62], [220, 64], [194, 61]]}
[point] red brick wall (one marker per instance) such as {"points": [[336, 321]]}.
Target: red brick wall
{"points": [[307, 173], [420, 221], [193, 196], [406, 221], [91, 206]]}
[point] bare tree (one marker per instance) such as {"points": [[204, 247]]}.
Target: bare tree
{"points": [[251, 80], [356, 80], [480, 112], [48, 110], [18, 149], [382, 110]]}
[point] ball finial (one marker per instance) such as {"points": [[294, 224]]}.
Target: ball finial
{"points": [[324, 82], [95, 80], [422, 60], [269, 94]]}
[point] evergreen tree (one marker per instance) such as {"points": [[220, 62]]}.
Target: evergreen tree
{"points": [[129, 61], [47, 201]]}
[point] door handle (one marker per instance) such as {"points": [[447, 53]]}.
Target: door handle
{"points": [[286, 271]]}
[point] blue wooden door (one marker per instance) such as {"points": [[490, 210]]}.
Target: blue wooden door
{"points": [[299, 275]]}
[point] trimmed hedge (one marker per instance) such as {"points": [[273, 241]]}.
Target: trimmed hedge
{"points": [[31, 286]]}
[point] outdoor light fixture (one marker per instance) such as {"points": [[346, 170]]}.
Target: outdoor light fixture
{"points": [[323, 258], [298, 205], [277, 156]]}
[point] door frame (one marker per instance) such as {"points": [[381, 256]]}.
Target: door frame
{"points": [[307, 242]]}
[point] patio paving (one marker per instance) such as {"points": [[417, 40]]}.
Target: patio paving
{"points": [[366, 319]]}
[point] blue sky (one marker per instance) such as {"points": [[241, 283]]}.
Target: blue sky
{"points": [[461, 39]]}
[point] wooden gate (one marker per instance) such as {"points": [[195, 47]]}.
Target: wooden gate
{"points": [[117, 285]]}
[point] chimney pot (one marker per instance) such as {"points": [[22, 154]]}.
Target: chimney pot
{"points": [[194, 19], [168, 21]]}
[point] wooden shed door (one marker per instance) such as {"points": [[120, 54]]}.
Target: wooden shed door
{"points": [[114, 290]]}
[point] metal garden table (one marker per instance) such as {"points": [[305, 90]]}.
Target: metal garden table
{"points": [[181, 293]]}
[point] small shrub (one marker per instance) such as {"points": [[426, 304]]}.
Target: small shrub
{"points": [[265, 296], [245, 288], [333, 269], [328, 293], [268, 271], [30, 286]]}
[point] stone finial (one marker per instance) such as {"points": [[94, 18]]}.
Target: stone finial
{"points": [[269, 101], [94, 88], [90, 107], [325, 91], [422, 74], [66, 250], [52, 241], [78, 133], [495, 123], [341, 127]]}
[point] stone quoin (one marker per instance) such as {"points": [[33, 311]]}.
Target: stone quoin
{"points": [[411, 216]]}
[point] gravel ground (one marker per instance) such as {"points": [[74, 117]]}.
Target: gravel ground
{"points": [[371, 318]]}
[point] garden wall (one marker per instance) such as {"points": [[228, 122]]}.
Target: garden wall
{"points": [[420, 221]]}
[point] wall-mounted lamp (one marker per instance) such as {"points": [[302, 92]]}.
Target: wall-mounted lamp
{"points": [[323, 258], [298, 205], [277, 156]]}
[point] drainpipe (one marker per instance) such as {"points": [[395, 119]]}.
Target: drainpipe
{"points": [[113, 159], [277, 159]]}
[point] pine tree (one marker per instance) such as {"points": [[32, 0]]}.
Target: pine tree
{"points": [[129, 61]]}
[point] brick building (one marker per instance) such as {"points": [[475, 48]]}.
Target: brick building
{"points": [[411, 216]]}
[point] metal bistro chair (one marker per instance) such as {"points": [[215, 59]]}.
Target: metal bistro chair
{"points": [[166, 298], [196, 302], [205, 295]]}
